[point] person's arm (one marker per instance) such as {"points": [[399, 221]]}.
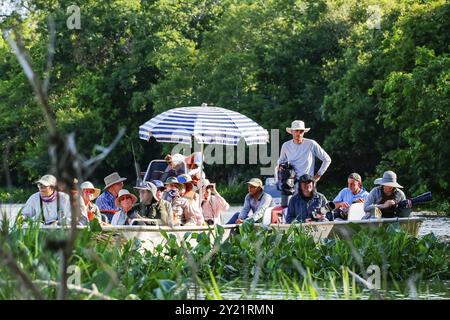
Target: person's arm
{"points": [[370, 203], [29, 210], [324, 157], [246, 209], [189, 214], [221, 205], [264, 204], [339, 200], [291, 214], [283, 154]]}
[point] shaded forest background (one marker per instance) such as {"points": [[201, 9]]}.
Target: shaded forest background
{"points": [[371, 78]]}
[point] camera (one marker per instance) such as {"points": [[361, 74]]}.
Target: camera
{"points": [[324, 210], [425, 197]]}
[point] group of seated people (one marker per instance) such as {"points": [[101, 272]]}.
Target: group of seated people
{"points": [[175, 202], [307, 204], [382, 201]]}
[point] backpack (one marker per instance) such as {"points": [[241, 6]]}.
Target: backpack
{"points": [[286, 178]]}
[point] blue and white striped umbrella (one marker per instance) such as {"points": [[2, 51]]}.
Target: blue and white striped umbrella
{"points": [[208, 125]]}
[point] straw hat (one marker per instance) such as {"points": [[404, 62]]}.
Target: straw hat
{"points": [[89, 185], [297, 125], [123, 193]]}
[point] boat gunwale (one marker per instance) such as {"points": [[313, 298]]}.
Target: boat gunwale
{"points": [[139, 228]]}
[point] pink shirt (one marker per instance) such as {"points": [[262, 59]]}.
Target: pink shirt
{"points": [[213, 208]]}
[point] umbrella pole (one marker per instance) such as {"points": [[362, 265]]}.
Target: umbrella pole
{"points": [[201, 180]]}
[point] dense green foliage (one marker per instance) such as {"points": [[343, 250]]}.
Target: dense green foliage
{"points": [[125, 270], [375, 98]]}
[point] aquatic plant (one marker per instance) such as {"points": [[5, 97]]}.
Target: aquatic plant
{"points": [[112, 268]]}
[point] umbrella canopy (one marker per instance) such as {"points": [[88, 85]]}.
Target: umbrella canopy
{"points": [[208, 125]]}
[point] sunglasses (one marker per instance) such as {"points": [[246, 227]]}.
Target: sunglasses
{"points": [[126, 198]]}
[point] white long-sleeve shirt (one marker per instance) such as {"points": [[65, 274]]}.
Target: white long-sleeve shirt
{"points": [[32, 209], [302, 156]]}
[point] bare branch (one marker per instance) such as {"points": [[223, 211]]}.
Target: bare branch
{"points": [[11, 263], [51, 53]]}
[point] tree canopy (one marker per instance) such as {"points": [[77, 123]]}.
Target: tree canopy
{"points": [[371, 78]]}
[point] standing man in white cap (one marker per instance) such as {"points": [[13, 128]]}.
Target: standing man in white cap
{"points": [[106, 201], [383, 200], [49, 205], [301, 153]]}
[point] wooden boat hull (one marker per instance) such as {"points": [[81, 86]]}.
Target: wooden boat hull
{"points": [[151, 236]]}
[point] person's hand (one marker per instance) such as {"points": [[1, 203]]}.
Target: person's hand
{"points": [[239, 221], [409, 205], [388, 203], [342, 205], [317, 177]]}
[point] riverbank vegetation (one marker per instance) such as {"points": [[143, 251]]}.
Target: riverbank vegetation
{"points": [[370, 78], [292, 262]]}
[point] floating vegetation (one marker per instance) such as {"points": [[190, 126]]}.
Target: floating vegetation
{"points": [[291, 262]]}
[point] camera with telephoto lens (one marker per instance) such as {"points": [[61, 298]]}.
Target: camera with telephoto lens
{"points": [[328, 207], [424, 197]]}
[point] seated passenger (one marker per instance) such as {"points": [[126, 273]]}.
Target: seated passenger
{"points": [[151, 204], [106, 201], [88, 194], [183, 213], [383, 199], [354, 193], [188, 192], [48, 206], [305, 205], [213, 204], [256, 201], [124, 202]]}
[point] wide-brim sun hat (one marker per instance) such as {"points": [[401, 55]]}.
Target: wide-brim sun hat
{"points": [[113, 178], [123, 193], [297, 125], [149, 186], [90, 186], [389, 179]]}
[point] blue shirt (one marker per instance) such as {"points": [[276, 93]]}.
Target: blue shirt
{"points": [[300, 208], [257, 206], [106, 203], [346, 195]]}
